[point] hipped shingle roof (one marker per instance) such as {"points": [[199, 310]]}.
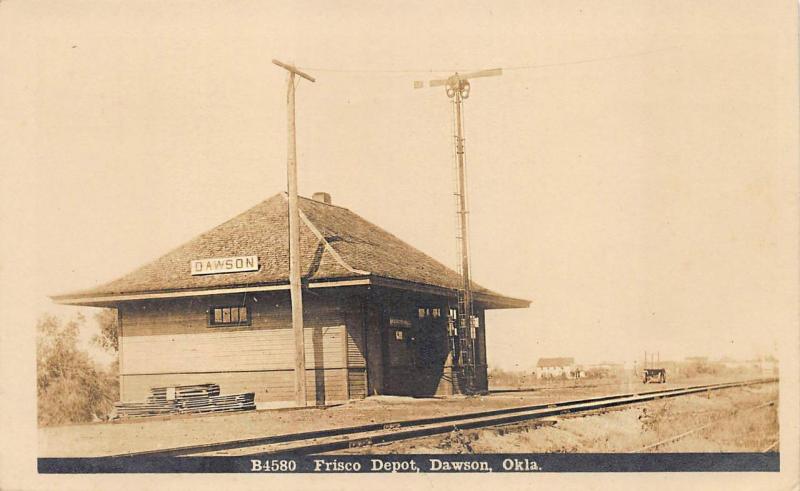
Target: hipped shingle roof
{"points": [[335, 243]]}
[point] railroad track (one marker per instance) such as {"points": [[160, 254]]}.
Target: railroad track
{"points": [[715, 422], [321, 441]]}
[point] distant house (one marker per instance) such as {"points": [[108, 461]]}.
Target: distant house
{"points": [[557, 368]]}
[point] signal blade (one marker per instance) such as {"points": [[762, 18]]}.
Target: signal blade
{"points": [[436, 83], [418, 84], [483, 73]]}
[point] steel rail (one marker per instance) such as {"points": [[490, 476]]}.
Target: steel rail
{"points": [[323, 445], [680, 436], [354, 436]]}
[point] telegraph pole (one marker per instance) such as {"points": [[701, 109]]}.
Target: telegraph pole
{"points": [[457, 88], [294, 240]]}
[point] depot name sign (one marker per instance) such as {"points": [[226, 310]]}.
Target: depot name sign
{"points": [[218, 265]]}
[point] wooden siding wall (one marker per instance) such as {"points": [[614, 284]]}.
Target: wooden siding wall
{"points": [[349, 348], [240, 351], [356, 351], [171, 342], [374, 347]]}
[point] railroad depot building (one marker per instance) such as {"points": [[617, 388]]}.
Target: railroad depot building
{"points": [[217, 310]]}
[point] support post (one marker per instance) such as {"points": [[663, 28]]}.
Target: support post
{"points": [[295, 284]]}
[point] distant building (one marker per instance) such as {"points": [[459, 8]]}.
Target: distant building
{"points": [[557, 368]]}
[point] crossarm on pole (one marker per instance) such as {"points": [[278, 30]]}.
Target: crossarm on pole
{"points": [[294, 69]]}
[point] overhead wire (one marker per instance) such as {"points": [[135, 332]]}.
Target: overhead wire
{"points": [[591, 60], [512, 67]]}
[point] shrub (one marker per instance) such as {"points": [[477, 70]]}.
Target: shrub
{"points": [[70, 387]]}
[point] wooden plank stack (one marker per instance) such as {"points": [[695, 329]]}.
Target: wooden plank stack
{"points": [[186, 399], [139, 409]]}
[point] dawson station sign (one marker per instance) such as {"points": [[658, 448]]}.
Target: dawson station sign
{"points": [[218, 265]]}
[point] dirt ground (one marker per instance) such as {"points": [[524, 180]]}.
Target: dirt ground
{"points": [[113, 438], [730, 421]]}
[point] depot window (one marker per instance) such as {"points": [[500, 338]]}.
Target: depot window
{"points": [[229, 316], [434, 312]]}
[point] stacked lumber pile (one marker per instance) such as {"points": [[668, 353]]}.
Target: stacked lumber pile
{"points": [[139, 409], [186, 399]]}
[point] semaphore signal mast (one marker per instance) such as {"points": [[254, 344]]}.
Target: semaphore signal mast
{"points": [[457, 88]]}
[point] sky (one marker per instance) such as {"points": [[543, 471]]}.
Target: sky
{"points": [[633, 172]]}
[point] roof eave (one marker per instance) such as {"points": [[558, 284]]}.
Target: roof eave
{"points": [[501, 302], [487, 300], [105, 300]]}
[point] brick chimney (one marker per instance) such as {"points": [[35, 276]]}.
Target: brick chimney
{"points": [[322, 197]]}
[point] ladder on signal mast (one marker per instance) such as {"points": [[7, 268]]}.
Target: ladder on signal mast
{"points": [[463, 330], [466, 332]]}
